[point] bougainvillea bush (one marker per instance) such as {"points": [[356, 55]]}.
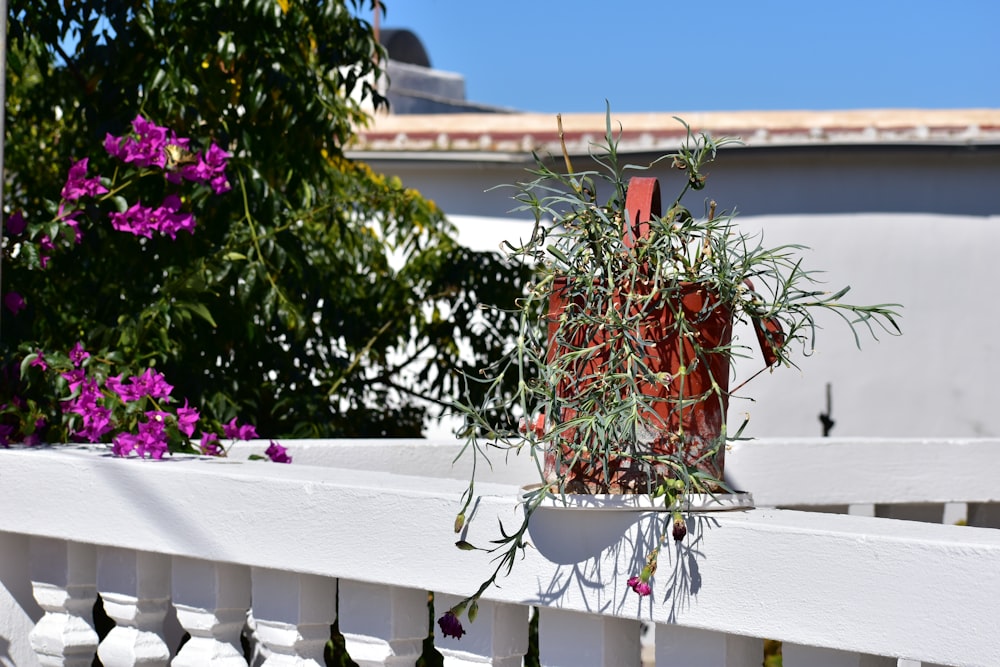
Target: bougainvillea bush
{"points": [[308, 295], [59, 396]]}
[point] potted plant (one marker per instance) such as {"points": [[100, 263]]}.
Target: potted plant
{"points": [[626, 344]]}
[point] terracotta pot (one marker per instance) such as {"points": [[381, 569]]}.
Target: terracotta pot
{"points": [[685, 396]]}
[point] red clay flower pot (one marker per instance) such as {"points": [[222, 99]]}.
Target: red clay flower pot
{"points": [[685, 384]]}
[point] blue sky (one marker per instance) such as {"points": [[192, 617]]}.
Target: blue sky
{"points": [[703, 55]]}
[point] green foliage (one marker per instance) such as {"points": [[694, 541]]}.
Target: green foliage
{"points": [[317, 298]]}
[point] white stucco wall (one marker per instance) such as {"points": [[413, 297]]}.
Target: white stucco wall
{"points": [[937, 379], [913, 225]]}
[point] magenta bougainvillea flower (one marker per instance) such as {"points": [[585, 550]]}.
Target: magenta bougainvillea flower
{"points": [[211, 169], [39, 361], [96, 418], [15, 223], [151, 439], [156, 146], [150, 383], [451, 626], [210, 444], [277, 453], [45, 244], [78, 185], [168, 218], [142, 220], [136, 219], [96, 423], [100, 403], [236, 432], [77, 354], [639, 586], [147, 148], [14, 302], [187, 419]]}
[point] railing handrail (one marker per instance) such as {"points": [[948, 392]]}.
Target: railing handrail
{"points": [[852, 583], [779, 472]]}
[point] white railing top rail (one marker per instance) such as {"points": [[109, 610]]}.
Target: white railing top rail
{"points": [[777, 471], [874, 586]]}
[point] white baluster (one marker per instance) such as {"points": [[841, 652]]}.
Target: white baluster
{"points": [[211, 600], [63, 579], [292, 616], [955, 513], [794, 655], [570, 639], [691, 647], [498, 637], [381, 624], [135, 588], [18, 609], [861, 509]]}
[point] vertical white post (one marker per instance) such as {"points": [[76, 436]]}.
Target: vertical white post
{"points": [[861, 509], [570, 639], [383, 625], [292, 616], [135, 589], [690, 647], [211, 600], [498, 637], [18, 610], [955, 513], [64, 581]]}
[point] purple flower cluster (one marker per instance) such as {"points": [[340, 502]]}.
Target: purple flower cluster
{"points": [[150, 383], [209, 169], [15, 223], [147, 146], [151, 439], [210, 445], [14, 302], [277, 453], [143, 220], [96, 407], [234, 431], [153, 146], [78, 185], [89, 404]]}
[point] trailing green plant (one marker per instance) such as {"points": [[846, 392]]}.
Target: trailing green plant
{"points": [[623, 356]]}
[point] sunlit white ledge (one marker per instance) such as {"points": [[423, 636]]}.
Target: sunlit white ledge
{"points": [[874, 586], [778, 471]]}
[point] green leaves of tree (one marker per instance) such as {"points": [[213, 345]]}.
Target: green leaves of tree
{"points": [[304, 300]]}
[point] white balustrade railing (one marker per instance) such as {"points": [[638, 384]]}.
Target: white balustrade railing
{"points": [[198, 561]]}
